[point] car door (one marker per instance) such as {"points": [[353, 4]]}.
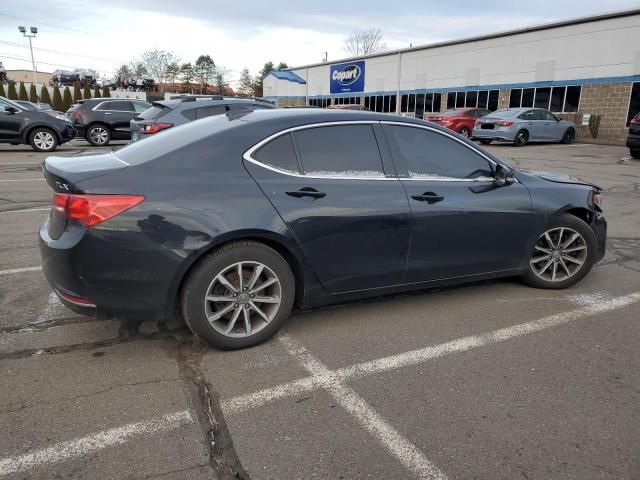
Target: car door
{"points": [[533, 123], [344, 205], [117, 114], [462, 224], [10, 122], [553, 131]]}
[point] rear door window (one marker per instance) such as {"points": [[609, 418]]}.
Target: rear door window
{"points": [[153, 113], [430, 155], [279, 153], [341, 150], [118, 105]]}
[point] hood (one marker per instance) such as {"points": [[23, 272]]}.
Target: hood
{"points": [[559, 178]]}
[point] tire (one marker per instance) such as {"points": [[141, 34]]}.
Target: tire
{"points": [[635, 154], [485, 142], [98, 135], [521, 138], [584, 251], [464, 131], [228, 331], [569, 136], [43, 140]]}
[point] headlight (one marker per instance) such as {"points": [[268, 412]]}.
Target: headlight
{"points": [[597, 201]]}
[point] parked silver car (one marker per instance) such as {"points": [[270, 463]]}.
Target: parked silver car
{"points": [[523, 125]]}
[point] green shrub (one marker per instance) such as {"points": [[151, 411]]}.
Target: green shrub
{"points": [[77, 93], [23, 92], [594, 125], [67, 101], [86, 94], [12, 94], [105, 92], [44, 95], [33, 93], [2, 92], [57, 100]]}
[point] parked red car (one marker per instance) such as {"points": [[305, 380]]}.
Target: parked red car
{"points": [[460, 120]]}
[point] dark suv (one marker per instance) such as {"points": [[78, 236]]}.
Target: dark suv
{"points": [[186, 108], [42, 131], [100, 120], [633, 139]]}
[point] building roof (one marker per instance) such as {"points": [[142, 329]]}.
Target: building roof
{"points": [[534, 28], [286, 75]]}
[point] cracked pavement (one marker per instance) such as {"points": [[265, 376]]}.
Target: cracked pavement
{"points": [[81, 398]]}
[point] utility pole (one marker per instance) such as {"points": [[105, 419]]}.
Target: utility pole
{"points": [[34, 31]]}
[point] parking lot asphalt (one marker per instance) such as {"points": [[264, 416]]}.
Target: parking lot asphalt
{"points": [[492, 380]]}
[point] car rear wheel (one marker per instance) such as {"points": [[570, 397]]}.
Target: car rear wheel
{"points": [[238, 296], [485, 142], [635, 153], [569, 136], [521, 138], [464, 131], [98, 135], [563, 254], [43, 140]]}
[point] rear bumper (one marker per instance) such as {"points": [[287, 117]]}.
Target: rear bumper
{"points": [[487, 134], [93, 275]]}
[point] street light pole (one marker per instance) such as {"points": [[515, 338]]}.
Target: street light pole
{"points": [[34, 31]]}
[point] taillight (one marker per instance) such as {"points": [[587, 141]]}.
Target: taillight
{"points": [[90, 210], [151, 128], [504, 123]]}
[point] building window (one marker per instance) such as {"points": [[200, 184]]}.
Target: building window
{"points": [[472, 99], [404, 103], [437, 97], [412, 103], [493, 100], [556, 99], [483, 97], [418, 104], [451, 100], [460, 99]]}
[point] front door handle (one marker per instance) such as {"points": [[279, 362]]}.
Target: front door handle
{"points": [[307, 192], [428, 197]]}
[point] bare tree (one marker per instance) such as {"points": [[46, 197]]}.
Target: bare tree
{"points": [[220, 79], [364, 42], [156, 62], [204, 69], [172, 71]]}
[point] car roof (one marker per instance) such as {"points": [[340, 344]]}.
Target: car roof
{"points": [[204, 102]]}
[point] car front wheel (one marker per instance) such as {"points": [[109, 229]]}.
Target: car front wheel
{"points": [[569, 136], [43, 140], [464, 131], [98, 135], [563, 254], [238, 296]]}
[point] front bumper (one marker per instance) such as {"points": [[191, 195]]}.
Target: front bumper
{"points": [[69, 133], [599, 227], [633, 142]]}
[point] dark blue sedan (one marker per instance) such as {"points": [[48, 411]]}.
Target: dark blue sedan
{"points": [[236, 219]]}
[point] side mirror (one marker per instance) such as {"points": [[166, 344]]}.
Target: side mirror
{"points": [[504, 176], [11, 110]]}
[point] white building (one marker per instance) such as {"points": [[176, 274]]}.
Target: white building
{"points": [[586, 66]]}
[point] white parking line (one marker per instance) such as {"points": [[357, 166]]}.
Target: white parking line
{"points": [[93, 443], [401, 448], [27, 210], [20, 270], [25, 180], [414, 357]]}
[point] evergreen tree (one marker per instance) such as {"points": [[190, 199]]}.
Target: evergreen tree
{"points": [[2, 93], [96, 92], [12, 94], [22, 95], [77, 93], [44, 95], [105, 92], [87, 92], [67, 101], [33, 93], [57, 100]]}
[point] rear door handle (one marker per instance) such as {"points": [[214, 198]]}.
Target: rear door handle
{"points": [[428, 197], [307, 192]]}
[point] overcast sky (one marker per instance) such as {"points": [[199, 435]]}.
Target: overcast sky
{"points": [[103, 35]]}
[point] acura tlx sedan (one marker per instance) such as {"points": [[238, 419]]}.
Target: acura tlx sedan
{"points": [[234, 220]]}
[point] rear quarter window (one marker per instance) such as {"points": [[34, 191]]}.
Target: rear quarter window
{"points": [[279, 153], [153, 113]]}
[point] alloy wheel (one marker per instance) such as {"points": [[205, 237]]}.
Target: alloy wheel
{"points": [[464, 132], [43, 140], [243, 299], [558, 254], [98, 135]]}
